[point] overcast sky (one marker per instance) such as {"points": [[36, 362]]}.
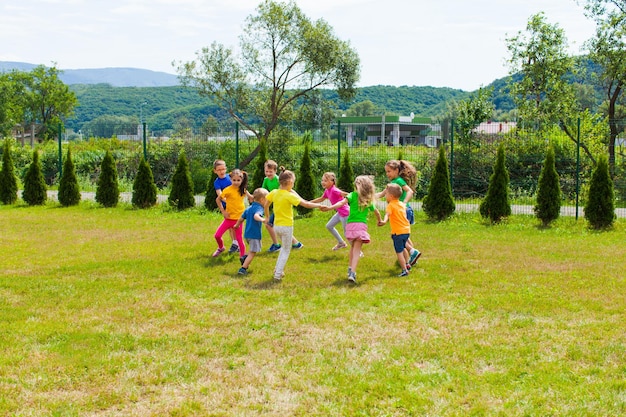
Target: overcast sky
{"points": [[439, 43]]}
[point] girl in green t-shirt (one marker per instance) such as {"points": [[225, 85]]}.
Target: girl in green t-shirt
{"points": [[361, 203]]}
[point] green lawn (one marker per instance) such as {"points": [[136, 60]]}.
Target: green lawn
{"points": [[122, 312]]}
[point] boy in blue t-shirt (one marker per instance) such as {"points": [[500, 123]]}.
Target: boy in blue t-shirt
{"points": [[254, 219], [222, 181]]}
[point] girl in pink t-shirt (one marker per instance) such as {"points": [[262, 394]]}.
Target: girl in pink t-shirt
{"points": [[334, 194]]}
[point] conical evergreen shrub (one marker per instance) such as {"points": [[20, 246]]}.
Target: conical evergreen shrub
{"points": [[181, 195], [8, 180], [210, 195], [600, 207], [108, 190], [35, 190], [305, 182], [496, 204], [259, 172], [438, 204], [144, 188], [69, 192], [548, 207], [346, 174]]}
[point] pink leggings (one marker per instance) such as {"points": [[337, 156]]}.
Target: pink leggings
{"points": [[228, 224]]}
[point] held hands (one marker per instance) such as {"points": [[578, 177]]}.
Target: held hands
{"points": [[382, 222], [324, 208]]}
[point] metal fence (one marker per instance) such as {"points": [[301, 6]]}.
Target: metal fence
{"points": [[368, 147]]}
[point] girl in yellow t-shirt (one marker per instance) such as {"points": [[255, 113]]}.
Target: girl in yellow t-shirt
{"points": [[233, 196], [284, 199]]}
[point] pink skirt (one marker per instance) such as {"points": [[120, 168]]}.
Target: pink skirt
{"points": [[356, 231]]}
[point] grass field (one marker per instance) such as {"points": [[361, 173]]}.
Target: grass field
{"points": [[121, 312]]}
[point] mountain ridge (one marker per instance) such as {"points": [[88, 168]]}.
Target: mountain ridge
{"points": [[114, 76]]}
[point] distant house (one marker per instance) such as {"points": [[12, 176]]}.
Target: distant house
{"points": [[494, 128], [388, 130], [243, 134]]}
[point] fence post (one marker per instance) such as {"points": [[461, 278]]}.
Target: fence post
{"points": [[237, 143], [144, 133], [452, 156], [60, 163], [338, 146], [577, 166]]}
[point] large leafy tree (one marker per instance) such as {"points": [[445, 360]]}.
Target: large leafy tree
{"points": [[48, 100], [38, 97], [471, 112], [363, 108], [13, 103], [284, 57], [608, 49], [539, 65]]}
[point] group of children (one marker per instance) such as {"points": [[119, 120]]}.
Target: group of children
{"points": [[352, 210]]}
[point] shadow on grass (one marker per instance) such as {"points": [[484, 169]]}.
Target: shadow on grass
{"points": [[344, 283], [223, 259], [263, 285]]}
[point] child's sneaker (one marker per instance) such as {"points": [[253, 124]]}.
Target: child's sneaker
{"points": [[279, 277], [340, 246], [242, 271], [415, 255], [404, 273], [352, 277], [218, 252], [298, 245], [233, 248], [275, 247]]}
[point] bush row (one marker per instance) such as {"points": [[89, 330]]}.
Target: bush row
{"points": [[472, 165]]}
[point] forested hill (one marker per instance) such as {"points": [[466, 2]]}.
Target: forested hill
{"points": [[164, 106]]}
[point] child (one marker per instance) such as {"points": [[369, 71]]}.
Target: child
{"points": [[334, 194], [222, 181], [253, 216], [270, 182], [395, 214], [233, 196], [404, 174], [361, 203], [284, 199]]}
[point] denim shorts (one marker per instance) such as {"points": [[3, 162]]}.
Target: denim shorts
{"points": [[399, 242]]}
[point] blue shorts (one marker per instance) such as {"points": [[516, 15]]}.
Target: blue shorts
{"points": [[399, 242], [409, 214], [271, 222]]}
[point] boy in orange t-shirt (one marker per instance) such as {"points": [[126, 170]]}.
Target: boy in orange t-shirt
{"points": [[395, 214]]}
